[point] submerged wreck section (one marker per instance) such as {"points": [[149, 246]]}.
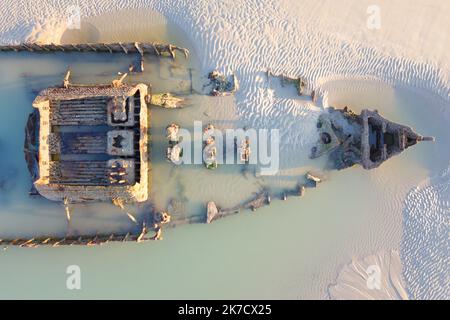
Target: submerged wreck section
{"points": [[89, 143], [367, 139], [382, 139]]}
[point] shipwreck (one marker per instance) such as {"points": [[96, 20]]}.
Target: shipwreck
{"points": [[90, 143]]}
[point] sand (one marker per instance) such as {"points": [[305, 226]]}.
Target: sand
{"points": [[354, 281], [323, 41]]}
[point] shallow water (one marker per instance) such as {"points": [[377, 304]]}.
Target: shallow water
{"points": [[290, 249]]}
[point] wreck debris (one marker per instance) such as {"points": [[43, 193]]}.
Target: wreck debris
{"points": [[137, 67], [244, 151], [313, 177], [158, 232], [367, 139], [174, 151], [211, 211], [120, 204], [76, 240], [66, 81], [127, 48], [209, 129], [141, 236], [172, 132], [327, 137], [209, 149], [118, 82], [209, 154], [165, 100], [161, 218], [260, 200], [299, 83], [67, 209], [222, 85], [301, 190], [31, 149], [56, 173]]}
